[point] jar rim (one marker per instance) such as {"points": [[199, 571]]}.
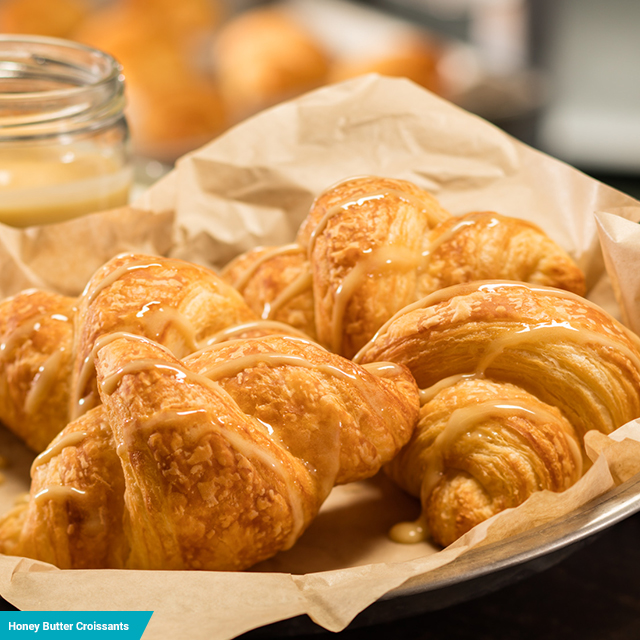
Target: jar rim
{"points": [[111, 68], [55, 84]]}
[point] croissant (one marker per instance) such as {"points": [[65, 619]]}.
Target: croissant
{"points": [[370, 246], [36, 334], [276, 283], [213, 462], [48, 341], [512, 376]]}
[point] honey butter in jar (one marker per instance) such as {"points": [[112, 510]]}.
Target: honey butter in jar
{"points": [[64, 141]]}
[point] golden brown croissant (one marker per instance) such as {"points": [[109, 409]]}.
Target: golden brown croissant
{"points": [[49, 341], [36, 330], [265, 55], [512, 376], [276, 283], [173, 302], [370, 246], [217, 461]]}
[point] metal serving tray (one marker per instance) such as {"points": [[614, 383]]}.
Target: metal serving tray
{"points": [[486, 569]]}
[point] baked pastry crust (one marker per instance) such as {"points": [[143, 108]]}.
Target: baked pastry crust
{"points": [[484, 245], [36, 329], [481, 447], [364, 238], [276, 283], [215, 462], [530, 369], [375, 245], [173, 302], [49, 341]]}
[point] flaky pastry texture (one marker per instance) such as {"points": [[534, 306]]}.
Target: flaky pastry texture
{"points": [[36, 358], [512, 376], [372, 245], [48, 341], [216, 461]]}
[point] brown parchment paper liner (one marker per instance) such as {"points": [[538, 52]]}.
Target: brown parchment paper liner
{"points": [[253, 186], [619, 234]]}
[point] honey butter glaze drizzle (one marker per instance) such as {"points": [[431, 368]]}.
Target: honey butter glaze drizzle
{"points": [[243, 445], [434, 217], [260, 326], [243, 279], [61, 442], [328, 458], [303, 282], [464, 420], [151, 318], [374, 261], [46, 376], [488, 287]]}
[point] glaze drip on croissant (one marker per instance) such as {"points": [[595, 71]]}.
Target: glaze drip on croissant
{"points": [[512, 376], [371, 245], [173, 302], [216, 461], [36, 358], [48, 342]]}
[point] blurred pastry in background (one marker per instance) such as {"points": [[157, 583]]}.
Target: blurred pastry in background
{"points": [[173, 104], [416, 59], [193, 68], [54, 18], [263, 56], [167, 122]]}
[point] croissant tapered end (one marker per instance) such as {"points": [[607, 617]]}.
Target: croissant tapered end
{"points": [[481, 447], [36, 335], [486, 245], [294, 386], [574, 367], [74, 515], [276, 283]]}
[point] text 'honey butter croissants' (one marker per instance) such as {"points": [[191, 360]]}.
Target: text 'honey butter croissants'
{"points": [[370, 246], [512, 376], [212, 454], [48, 341]]}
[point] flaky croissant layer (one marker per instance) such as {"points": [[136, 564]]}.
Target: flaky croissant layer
{"points": [[216, 461], [36, 360], [512, 376], [48, 341], [372, 245]]}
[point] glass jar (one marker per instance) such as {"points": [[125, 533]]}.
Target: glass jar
{"points": [[64, 141]]}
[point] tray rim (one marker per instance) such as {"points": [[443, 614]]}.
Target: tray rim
{"points": [[595, 516]]}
